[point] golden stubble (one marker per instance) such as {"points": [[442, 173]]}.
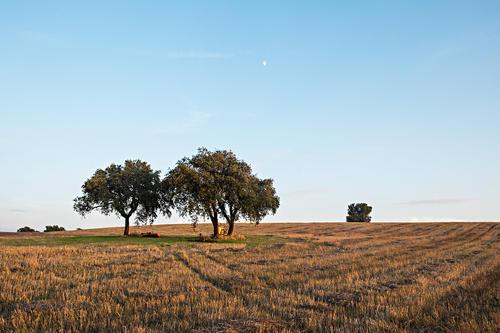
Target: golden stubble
{"points": [[435, 277]]}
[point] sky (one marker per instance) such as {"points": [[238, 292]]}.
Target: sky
{"points": [[393, 103]]}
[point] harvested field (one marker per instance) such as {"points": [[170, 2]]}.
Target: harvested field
{"points": [[325, 277]]}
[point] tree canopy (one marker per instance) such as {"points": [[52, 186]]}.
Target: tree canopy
{"points": [[359, 212], [124, 190], [51, 228], [218, 184]]}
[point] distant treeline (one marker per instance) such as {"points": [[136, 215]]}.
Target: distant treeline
{"points": [[48, 228]]}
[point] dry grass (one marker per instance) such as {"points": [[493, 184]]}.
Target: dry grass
{"points": [[337, 277]]}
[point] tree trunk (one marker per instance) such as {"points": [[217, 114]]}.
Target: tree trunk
{"points": [[231, 228], [215, 223], [127, 226]]}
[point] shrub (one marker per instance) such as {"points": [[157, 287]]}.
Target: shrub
{"points": [[50, 228], [26, 229]]}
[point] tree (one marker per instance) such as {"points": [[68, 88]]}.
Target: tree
{"points": [[50, 228], [26, 229], [213, 184], [124, 190], [246, 196], [359, 212]]}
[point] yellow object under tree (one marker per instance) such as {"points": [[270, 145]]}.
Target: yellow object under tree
{"points": [[222, 230]]}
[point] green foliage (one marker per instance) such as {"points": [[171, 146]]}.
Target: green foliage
{"points": [[359, 212], [50, 228], [26, 229], [124, 190], [213, 184]]}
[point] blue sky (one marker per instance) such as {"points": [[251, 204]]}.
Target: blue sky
{"points": [[394, 103]]}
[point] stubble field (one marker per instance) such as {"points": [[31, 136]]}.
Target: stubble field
{"points": [[337, 277]]}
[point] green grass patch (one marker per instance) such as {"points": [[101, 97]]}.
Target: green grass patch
{"points": [[250, 241]]}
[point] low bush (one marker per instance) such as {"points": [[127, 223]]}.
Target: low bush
{"points": [[26, 229]]}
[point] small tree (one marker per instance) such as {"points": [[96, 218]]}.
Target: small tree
{"points": [[50, 228], [359, 212], [124, 190], [26, 229], [216, 183]]}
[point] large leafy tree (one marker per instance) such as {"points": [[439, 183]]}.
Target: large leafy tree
{"points": [[359, 212], [218, 184], [134, 188]]}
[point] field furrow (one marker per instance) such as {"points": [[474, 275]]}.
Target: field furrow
{"points": [[283, 278]]}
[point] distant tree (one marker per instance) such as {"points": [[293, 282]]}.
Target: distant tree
{"points": [[26, 229], [359, 212], [124, 190], [50, 228], [212, 184]]}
